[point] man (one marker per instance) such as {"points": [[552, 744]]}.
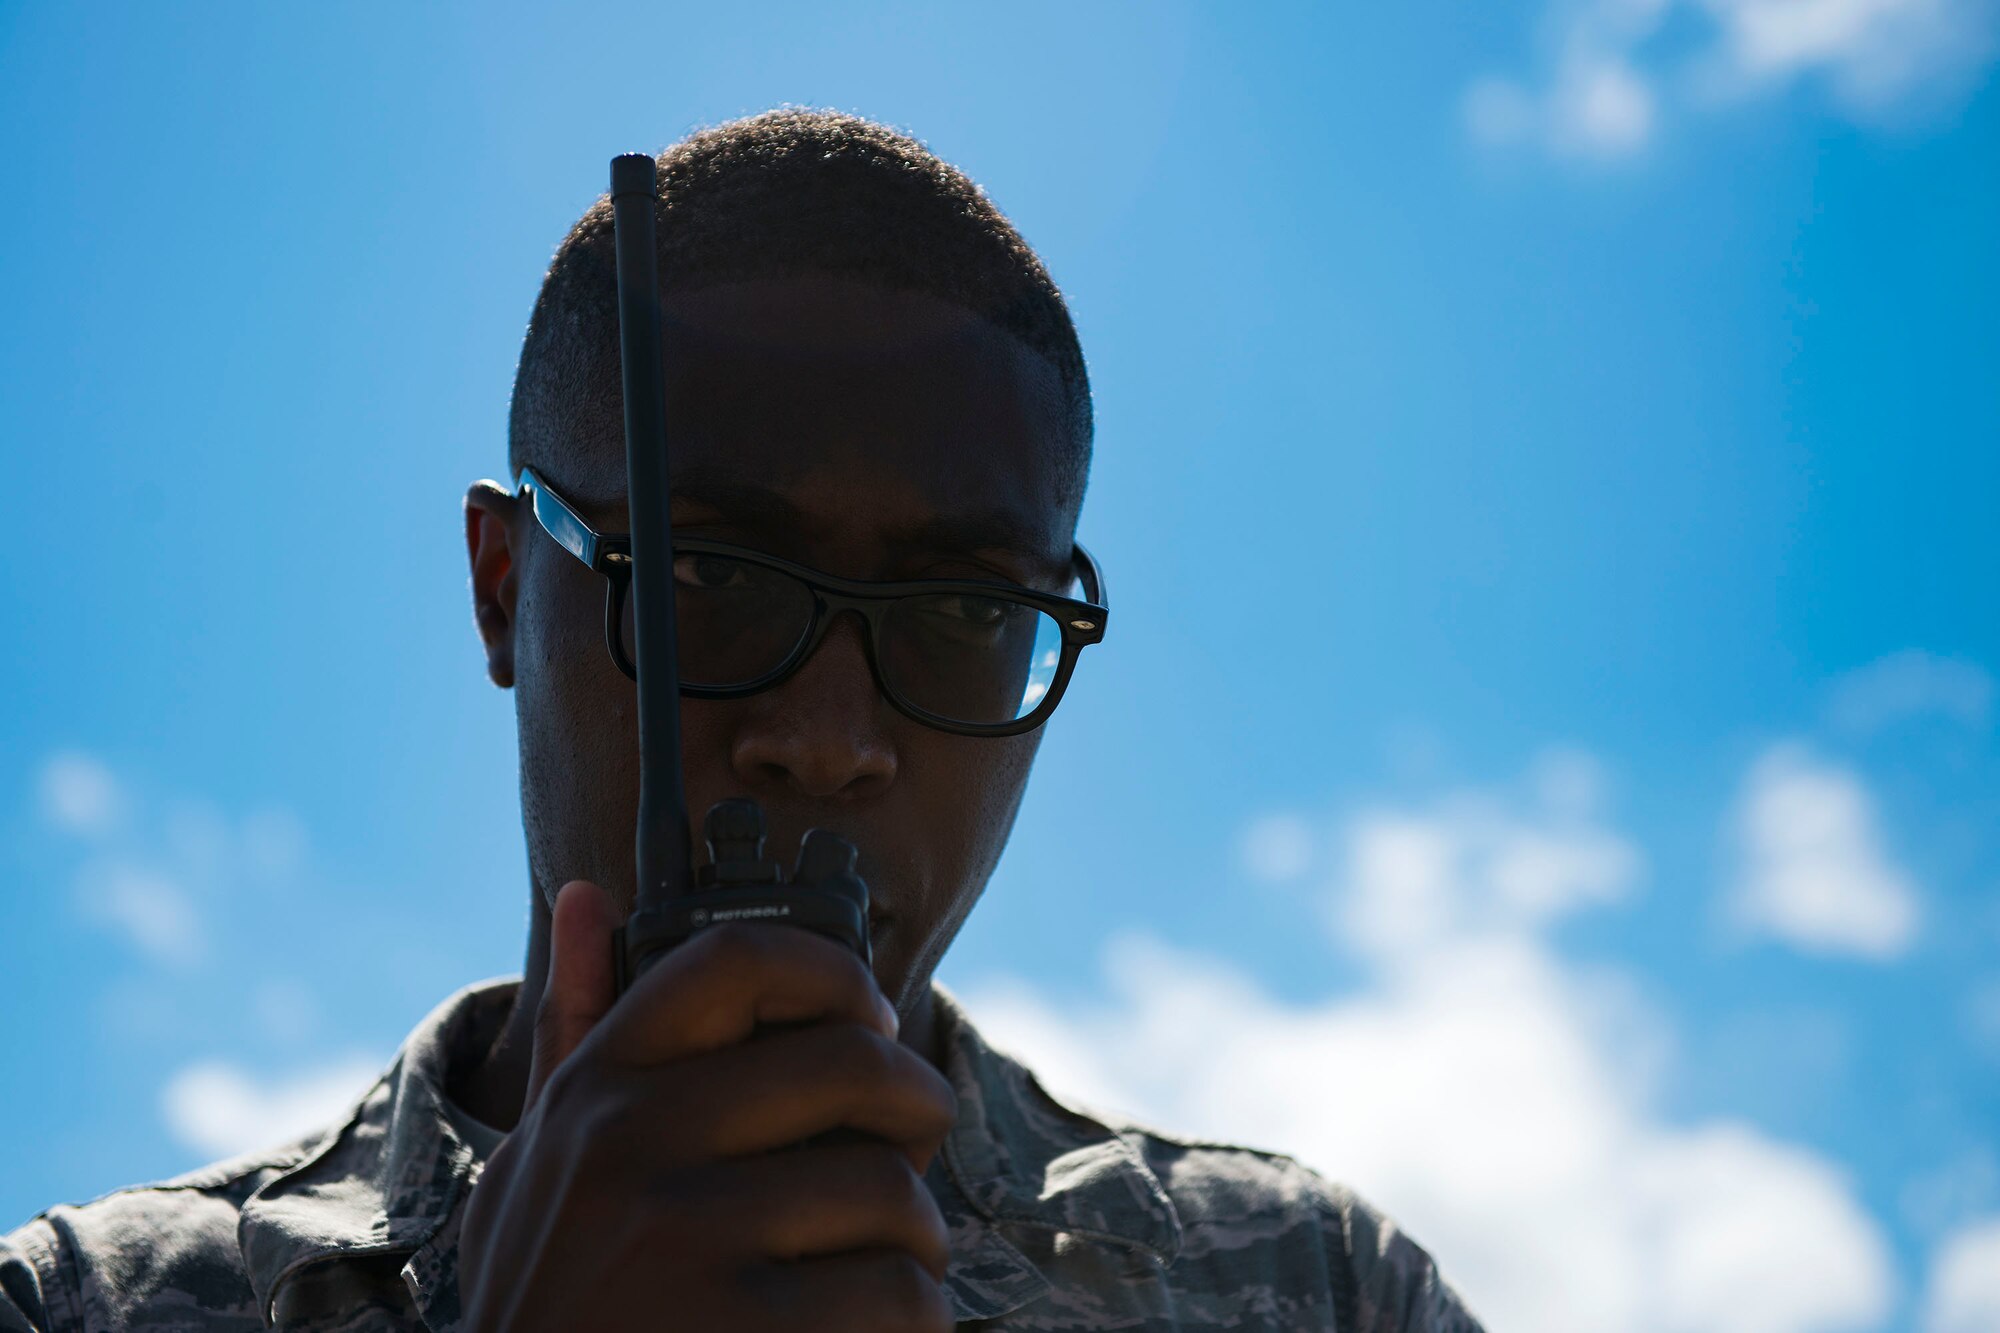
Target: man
{"points": [[872, 381]]}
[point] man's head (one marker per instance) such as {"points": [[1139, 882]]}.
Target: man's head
{"points": [[869, 373]]}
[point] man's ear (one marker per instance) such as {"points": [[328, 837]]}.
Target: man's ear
{"points": [[489, 544]]}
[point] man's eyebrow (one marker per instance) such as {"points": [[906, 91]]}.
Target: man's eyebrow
{"points": [[993, 531], [741, 501], [988, 531], [733, 499]]}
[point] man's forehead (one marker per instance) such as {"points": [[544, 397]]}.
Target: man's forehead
{"points": [[853, 404]]}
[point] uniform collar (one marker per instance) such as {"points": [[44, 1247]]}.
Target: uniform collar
{"points": [[390, 1179]]}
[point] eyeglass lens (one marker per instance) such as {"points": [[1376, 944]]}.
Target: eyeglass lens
{"points": [[980, 661]]}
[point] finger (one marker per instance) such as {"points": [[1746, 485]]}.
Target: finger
{"points": [[868, 1291], [819, 1200], [787, 1087], [580, 987], [717, 989]]}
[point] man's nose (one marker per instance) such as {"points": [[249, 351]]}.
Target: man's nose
{"points": [[822, 733]]}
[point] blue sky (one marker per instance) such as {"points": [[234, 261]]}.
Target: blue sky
{"points": [[1546, 467]]}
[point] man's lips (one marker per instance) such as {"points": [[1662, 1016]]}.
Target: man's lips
{"points": [[782, 843]]}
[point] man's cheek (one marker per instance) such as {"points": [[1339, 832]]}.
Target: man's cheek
{"points": [[707, 774]]}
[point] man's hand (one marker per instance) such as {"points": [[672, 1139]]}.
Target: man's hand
{"points": [[661, 1175]]}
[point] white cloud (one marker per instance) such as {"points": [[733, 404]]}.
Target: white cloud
{"points": [[1964, 1287], [150, 909], [1488, 1095], [220, 1109], [1277, 847], [1596, 106], [1909, 685], [146, 871], [147, 867], [79, 795], [1605, 78], [1814, 874], [1415, 882], [1871, 50]]}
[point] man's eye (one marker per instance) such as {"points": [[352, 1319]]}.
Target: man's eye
{"points": [[981, 611], [712, 573]]}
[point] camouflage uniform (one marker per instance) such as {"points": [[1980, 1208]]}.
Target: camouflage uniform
{"points": [[1060, 1219]]}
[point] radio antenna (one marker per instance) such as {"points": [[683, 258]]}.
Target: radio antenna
{"points": [[672, 902], [662, 843]]}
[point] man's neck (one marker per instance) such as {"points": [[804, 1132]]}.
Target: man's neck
{"points": [[492, 1090]]}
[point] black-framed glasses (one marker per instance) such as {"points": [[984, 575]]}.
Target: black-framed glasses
{"points": [[971, 656]]}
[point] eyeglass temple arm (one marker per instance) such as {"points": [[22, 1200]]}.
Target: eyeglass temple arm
{"points": [[561, 522], [1093, 577]]}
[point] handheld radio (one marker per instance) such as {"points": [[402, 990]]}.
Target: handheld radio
{"points": [[673, 901]]}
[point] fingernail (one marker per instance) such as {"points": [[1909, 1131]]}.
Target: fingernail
{"points": [[889, 1014]]}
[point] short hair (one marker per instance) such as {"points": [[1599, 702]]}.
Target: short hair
{"points": [[791, 192]]}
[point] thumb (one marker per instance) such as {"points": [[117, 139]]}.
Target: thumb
{"points": [[580, 988]]}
